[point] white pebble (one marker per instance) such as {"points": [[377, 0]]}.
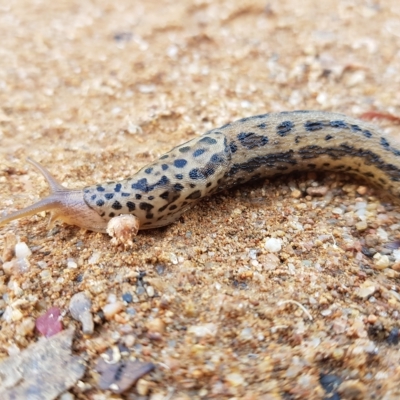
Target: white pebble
{"points": [[94, 258], [382, 234], [71, 264], [273, 245], [150, 291], [396, 254], [337, 211], [381, 261], [22, 250], [110, 310], [79, 307]]}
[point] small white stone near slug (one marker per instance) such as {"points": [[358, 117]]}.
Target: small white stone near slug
{"points": [[123, 229]]}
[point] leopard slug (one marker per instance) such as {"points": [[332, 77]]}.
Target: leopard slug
{"points": [[261, 146]]}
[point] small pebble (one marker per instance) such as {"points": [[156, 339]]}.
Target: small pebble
{"points": [[111, 309], [49, 323], [156, 325], [393, 338], [273, 245], [71, 264], [353, 390], [143, 387], [296, 194], [317, 191], [381, 261], [235, 379], [361, 226], [79, 307], [127, 297], [26, 327], [150, 291], [22, 250]]}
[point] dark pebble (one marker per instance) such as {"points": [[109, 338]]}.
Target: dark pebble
{"points": [[330, 383], [393, 338], [127, 297]]}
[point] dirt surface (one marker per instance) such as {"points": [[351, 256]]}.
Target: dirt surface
{"points": [[95, 90]]}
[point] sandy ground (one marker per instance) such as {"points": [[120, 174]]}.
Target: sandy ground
{"points": [[95, 90]]}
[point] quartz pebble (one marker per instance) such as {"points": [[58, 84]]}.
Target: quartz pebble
{"points": [[79, 308], [111, 309], [381, 261], [273, 245], [49, 323], [22, 250]]}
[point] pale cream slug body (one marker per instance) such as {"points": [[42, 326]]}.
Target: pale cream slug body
{"points": [[248, 149]]}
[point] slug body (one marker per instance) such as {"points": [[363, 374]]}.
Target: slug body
{"points": [[248, 149]]}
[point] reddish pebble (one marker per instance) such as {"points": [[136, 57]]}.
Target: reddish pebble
{"points": [[49, 324]]}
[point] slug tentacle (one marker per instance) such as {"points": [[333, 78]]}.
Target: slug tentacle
{"points": [[64, 204], [261, 146]]}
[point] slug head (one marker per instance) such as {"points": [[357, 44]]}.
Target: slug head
{"points": [[66, 205]]}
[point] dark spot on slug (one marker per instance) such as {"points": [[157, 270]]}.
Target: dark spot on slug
{"points": [[233, 147], [355, 128], [262, 126], [138, 196], [192, 185], [100, 189], [338, 124], [109, 196], [116, 205], [146, 206], [131, 205], [217, 159], [165, 195], [173, 207], [164, 156], [179, 176], [124, 194], [180, 163], [311, 126], [93, 197], [194, 195], [161, 209], [312, 166], [111, 215], [328, 137], [150, 198], [198, 152], [284, 128], [385, 143], [195, 173], [118, 187], [164, 167], [367, 134], [148, 170], [208, 140], [208, 184], [250, 140], [149, 216], [184, 149], [100, 203], [297, 139], [178, 187]]}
